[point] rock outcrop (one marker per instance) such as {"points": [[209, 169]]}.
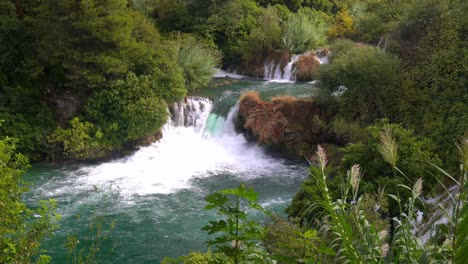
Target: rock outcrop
{"points": [[288, 126], [307, 67]]}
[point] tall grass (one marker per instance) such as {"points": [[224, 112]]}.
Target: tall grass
{"points": [[357, 240]]}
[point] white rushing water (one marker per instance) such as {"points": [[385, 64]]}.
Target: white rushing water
{"points": [[273, 71], [223, 74], [196, 144]]}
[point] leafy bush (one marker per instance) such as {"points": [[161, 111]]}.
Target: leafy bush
{"points": [[21, 228], [368, 74], [198, 258], [305, 30], [238, 235], [289, 243], [266, 36], [198, 61], [81, 141], [30, 131], [435, 81], [411, 156], [127, 111]]}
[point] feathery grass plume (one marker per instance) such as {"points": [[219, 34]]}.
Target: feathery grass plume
{"points": [[383, 234], [388, 147], [384, 250], [355, 176], [417, 188], [321, 157]]}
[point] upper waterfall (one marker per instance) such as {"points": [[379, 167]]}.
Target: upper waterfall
{"points": [[299, 67], [274, 72]]}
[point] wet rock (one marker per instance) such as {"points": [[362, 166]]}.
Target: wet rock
{"points": [[288, 126], [307, 67]]}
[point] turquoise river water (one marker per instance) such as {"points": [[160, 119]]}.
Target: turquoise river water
{"points": [[155, 197]]}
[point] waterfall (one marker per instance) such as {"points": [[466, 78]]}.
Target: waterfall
{"points": [[290, 69], [228, 74], [196, 143], [273, 71], [156, 195], [193, 111]]}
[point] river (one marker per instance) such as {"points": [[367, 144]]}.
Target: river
{"points": [[155, 197]]}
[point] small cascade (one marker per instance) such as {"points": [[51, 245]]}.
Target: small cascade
{"points": [[192, 112], [272, 71], [427, 226], [323, 59], [228, 74], [322, 55], [290, 69]]}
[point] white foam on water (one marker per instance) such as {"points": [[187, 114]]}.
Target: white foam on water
{"points": [[184, 153], [223, 74]]}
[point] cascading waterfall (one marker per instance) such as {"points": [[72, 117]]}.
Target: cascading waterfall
{"points": [[191, 112], [290, 69], [273, 71], [195, 143], [156, 196]]}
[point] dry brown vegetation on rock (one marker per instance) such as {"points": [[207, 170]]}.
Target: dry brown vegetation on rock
{"points": [[286, 124]]}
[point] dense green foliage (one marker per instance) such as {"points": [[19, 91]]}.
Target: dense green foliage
{"points": [[196, 60], [238, 235], [305, 30], [349, 229], [127, 111], [81, 80], [21, 228], [410, 155], [88, 69], [368, 75]]}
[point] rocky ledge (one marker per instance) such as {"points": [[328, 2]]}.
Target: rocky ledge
{"points": [[286, 126]]}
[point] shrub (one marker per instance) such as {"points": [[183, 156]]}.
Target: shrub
{"points": [[265, 37], [21, 228], [411, 156], [127, 111], [81, 141], [368, 74], [343, 26], [197, 60], [305, 30]]}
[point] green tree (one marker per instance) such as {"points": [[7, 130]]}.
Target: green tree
{"points": [[86, 40], [127, 111], [368, 74], [305, 30], [238, 235], [230, 23], [266, 36], [197, 61], [21, 228], [435, 83]]}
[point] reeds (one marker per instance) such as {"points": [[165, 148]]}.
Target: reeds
{"points": [[370, 245]]}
